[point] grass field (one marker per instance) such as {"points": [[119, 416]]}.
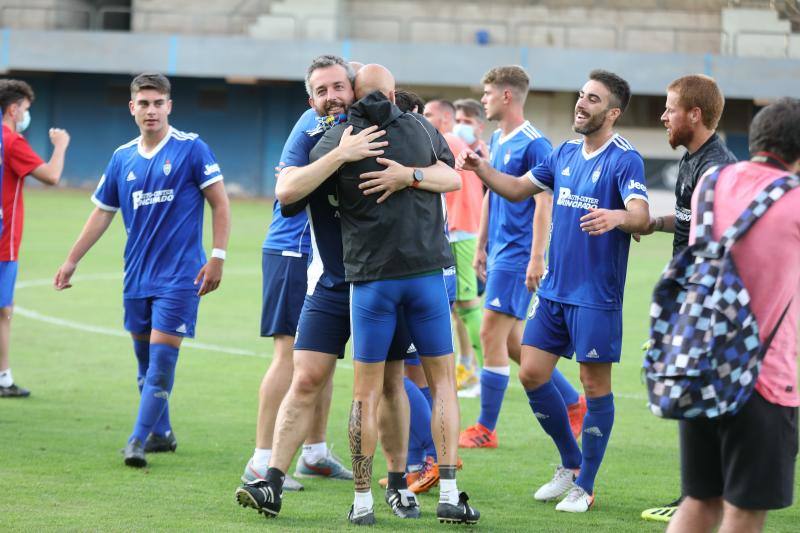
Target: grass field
{"points": [[60, 466]]}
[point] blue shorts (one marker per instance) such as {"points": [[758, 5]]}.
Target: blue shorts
{"points": [[595, 335], [324, 326], [8, 278], [506, 293], [283, 290], [377, 307], [451, 282], [174, 313]]}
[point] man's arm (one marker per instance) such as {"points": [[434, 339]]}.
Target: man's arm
{"points": [[665, 224], [542, 217], [295, 183], [211, 273], [95, 226], [50, 172], [479, 261], [509, 187], [439, 178], [635, 218]]}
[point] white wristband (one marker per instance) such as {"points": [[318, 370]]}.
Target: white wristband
{"points": [[218, 253]]}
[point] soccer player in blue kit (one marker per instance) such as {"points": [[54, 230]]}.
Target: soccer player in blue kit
{"points": [[159, 181], [600, 199]]}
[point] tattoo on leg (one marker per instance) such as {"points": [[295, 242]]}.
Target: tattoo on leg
{"points": [[444, 433], [362, 464]]}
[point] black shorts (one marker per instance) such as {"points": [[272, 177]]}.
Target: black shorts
{"points": [[747, 459]]}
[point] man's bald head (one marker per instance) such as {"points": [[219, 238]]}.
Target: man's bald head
{"points": [[374, 77]]}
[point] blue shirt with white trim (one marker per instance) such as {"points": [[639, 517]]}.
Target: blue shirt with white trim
{"points": [[511, 223], [292, 234], [160, 196], [582, 269]]}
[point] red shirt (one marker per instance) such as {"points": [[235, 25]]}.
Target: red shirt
{"points": [[19, 160], [464, 205]]}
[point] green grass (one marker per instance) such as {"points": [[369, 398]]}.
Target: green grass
{"points": [[60, 466]]}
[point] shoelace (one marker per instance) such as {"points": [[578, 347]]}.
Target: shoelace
{"points": [[574, 494]]}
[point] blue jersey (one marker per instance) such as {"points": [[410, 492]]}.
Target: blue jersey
{"points": [[584, 270], [160, 196], [511, 223], [292, 234]]}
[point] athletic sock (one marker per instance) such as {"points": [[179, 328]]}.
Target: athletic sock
{"points": [[157, 387], [363, 500], [275, 478], [566, 389], [261, 457], [397, 481], [6, 379], [471, 317], [142, 351], [420, 440], [596, 431], [313, 453], [494, 382], [549, 409], [448, 490]]}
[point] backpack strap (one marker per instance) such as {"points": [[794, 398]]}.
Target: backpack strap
{"points": [[703, 236]]}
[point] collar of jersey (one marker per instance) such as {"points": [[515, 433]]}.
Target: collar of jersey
{"points": [[504, 138], [599, 150], [150, 155]]}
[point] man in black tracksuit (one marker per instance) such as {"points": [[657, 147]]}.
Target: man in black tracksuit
{"points": [[395, 248]]}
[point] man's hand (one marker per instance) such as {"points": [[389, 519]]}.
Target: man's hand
{"points": [[63, 276], [59, 137], [210, 275], [535, 273], [392, 179], [479, 264], [651, 228], [600, 221], [468, 160], [361, 145]]}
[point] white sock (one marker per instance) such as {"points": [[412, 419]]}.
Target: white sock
{"points": [[261, 458], [313, 453], [5, 378], [363, 500], [448, 491], [502, 370]]}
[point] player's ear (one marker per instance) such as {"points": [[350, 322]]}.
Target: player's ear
{"points": [[310, 102], [132, 107], [169, 106]]}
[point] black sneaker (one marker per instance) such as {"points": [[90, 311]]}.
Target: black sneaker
{"points": [[447, 513], [160, 443], [12, 391], [403, 503], [134, 454], [365, 517], [261, 496]]}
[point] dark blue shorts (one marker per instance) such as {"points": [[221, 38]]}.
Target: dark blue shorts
{"points": [[174, 313], [506, 293], [324, 326], [8, 278], [376, 308], [283, 290], [595, 335]]}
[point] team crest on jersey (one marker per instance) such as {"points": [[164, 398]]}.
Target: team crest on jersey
{"points": [[595, 175], [507, 157], [167, 168]]}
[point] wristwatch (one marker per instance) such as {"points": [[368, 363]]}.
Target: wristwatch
{"points": [[418, 177]]}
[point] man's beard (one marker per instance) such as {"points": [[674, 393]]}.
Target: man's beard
{"points": [[595, 123], [681, 136]]}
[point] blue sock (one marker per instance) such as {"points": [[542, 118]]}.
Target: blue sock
{"points": [[426, 391], [493, 388], [596, 431], [550, 410], [419, 437], [157, 386], [566, 389], [142, 351]]}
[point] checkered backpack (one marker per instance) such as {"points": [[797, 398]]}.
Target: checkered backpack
{"points": [[705, 354]]}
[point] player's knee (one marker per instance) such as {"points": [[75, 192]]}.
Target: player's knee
{"points": [[6, 312], [307, 384], [532, 378]]}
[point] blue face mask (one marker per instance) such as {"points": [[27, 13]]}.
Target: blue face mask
{"points": [[24, 123], [466, 132]]}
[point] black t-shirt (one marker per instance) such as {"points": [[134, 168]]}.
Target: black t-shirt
{"points": [[690, 170], [404, 235]]}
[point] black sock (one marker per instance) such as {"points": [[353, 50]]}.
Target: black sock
{"points": [[275, 477], [397, 481], [447, 472]]}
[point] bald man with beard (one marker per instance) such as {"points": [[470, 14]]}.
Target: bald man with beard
{"points": [[394, 249]]}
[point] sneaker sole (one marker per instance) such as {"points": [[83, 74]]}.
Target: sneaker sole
{"points": [[244, 499], [319, 476], [456, 521], [135, 462]]}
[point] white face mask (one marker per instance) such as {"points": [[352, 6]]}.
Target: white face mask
{"points": [[465, 131], [23, 124]]}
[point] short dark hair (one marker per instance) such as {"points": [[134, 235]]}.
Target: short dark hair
{"points": [[151, 80], [13, 92], [329, 60], [408, 100], [471, 107], [446, 105], [697, 90], [776, 129], [617, 86]]}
